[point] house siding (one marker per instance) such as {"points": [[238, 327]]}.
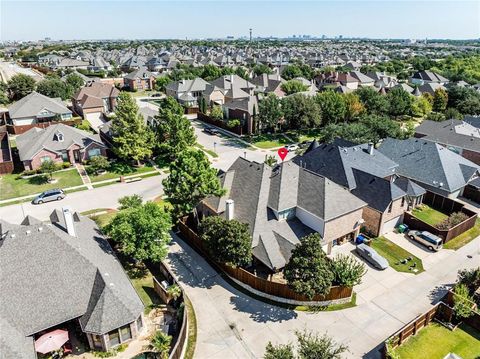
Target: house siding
{"points": [[311, 220], [343, 225], [372, 220]]}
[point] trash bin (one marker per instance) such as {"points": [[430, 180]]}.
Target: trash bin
{"points": [[360, 239], [402, 228]]}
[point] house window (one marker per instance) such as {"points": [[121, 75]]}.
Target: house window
{"points": [[114, 338], [403, 201], [65, 156], [139, 323], [390, 207], [94, 152], [45, 159], [97, 341], [125, 333]]}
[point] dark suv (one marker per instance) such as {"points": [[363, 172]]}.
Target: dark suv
{"points": [[48, 196]]}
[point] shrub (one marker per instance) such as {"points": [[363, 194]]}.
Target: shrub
{"points": [[98, 163], [454, 219], [347, 270], [470, 278], [462, 301], [233, 123], [66, 164]]}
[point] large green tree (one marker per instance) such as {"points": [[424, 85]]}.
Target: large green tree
{"points": [[301, 112], [20, 85], [353, 106], [332, 106], [54, 87], [308, 271], [259, 69], [440, 100], [293, 86], [269, 112], [400, 102], [315, 346], [132, 139], [191, 179], [373, 101], [173, 131], [75, 81], [142, 232], [228, 242], [347, 270]]}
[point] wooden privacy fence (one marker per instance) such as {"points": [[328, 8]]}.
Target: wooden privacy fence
{"points": [[238, 130], [265, 286]]}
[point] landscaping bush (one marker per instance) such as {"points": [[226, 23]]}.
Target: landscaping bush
{"points": [[470, 278], [462, 302], [233, 123], [454, 219], [347, 270], [98, 163]]}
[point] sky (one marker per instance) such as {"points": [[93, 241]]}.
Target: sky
{"points": [[178, 19]]}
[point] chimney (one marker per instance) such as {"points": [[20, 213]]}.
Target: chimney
{"points": [[231, 79], [370, 148], [229, 209], [68, 216]]}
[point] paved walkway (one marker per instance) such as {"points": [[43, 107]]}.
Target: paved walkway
{"points": [[84, 175], [233, 325]]}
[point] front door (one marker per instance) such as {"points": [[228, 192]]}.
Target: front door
{"points": [[76, 155]]}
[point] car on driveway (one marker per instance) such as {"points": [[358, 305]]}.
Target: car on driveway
{"points": [[371, 256], [48, 196], [211, 131], [291, 148], [429, 240]]}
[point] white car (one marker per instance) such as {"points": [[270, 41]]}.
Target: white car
{"points": [[291, 148]]}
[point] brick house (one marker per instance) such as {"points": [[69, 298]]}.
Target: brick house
{"points": [[94, 101], [57, 143], [140, 79]]}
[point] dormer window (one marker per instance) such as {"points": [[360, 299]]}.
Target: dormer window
{"points": [[59, 136]]}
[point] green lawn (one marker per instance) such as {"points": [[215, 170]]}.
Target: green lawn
{"points": [[120, 169], [464, 238], [142, 281], [429, 215], [395, 254], [210, 152], [269, 141], [11, 185], [436, 341], [102, 219]]}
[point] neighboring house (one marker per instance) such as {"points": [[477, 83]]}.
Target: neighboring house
{"points": [[187, 92], [244, 109], [232, 83], [63, 273], [6, 159], [57, 143], [37, 110], [140, 79], [458, 136], [267, 84], [283, 204], [363, 80], [67, 63], [367, 174], [431, 165], [426, 77], [383, 80], [94, 101]]}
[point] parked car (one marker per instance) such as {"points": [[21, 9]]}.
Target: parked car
{"points": [[371, 256], [211, 131], [48, 196], [291, 148], [429, 240]]}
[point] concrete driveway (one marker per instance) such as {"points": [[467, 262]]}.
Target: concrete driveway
{"points": [[233, 325]]}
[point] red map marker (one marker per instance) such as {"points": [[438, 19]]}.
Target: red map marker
{"points": [[282, 152]]}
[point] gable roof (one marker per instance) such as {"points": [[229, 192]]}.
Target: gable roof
{"points": [[32, 104], [197, 84], [96, 89], [141, 73], [36, 139], [430, 164]]}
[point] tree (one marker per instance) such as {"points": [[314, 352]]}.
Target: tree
{"points": [[133, 201], [98, 163], [75, 81], [470, 278], [203, 105], [174, 291], [314, 346], [332, 106], [259, 69], [142, 232], [270, 160], [301, 112], [211, 72], [291, 71], [191, 179], [48, 167], [228, 241], [347, 270], [132, 140], [293, 86], [466, 100], [462, 301], [400, 102], [173, 131], [380, 127], [281, 351], [160, 343], [421, 106], [353, 106], [440, 100], [453, 113], [216, 113], [374, 102], [270, 112], [161, 83], [20, 85], [308, 270], [54, 87]]}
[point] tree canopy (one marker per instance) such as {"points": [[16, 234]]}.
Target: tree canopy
{"points": [[293, 86], [20, 85]]}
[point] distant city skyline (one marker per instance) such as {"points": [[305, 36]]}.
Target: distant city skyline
{"points": [[93, 20]]}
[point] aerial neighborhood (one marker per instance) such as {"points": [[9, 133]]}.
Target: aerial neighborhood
{"points": [[250, 197]]}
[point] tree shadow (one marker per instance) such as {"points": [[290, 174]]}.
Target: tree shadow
{"points": [[261, 312], [438, 293], [38, 180], [375, 353]]}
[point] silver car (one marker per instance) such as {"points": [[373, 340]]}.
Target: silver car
{"points": [[371, 256], [429, 240], [49, 195]]}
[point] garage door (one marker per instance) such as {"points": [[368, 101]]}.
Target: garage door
{"points": [[390, 225], [95, 119]]}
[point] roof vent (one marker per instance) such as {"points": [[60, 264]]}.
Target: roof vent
{"points": [[40, 229], [28, 232], [12, 235]]}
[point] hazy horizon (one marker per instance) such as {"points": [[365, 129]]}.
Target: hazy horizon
{"points": [[145, 20]]}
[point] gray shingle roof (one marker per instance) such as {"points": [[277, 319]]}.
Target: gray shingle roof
{"points": [[429, 164], [32, 104]]}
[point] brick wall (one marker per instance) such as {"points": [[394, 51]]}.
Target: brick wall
{"points": [[36, 161], [472, 156], [343, 225], [372, 220]]}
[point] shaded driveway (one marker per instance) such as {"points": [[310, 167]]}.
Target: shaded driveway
{"points": [[233, 325]]}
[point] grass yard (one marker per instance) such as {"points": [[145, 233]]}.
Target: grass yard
{"points": [[11, 185], [429, 215], [102, 219], [269, 141], [210, 152], [464, 238], [395, 254], [120, 169], [436, 341]]}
